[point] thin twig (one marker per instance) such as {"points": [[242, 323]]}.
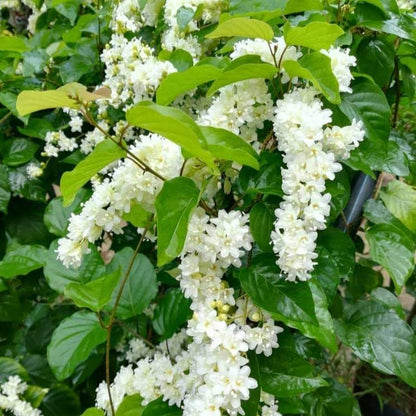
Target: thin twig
{"points": [[4, 118]]}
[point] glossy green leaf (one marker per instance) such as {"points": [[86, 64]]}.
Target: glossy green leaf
{"points": [[73, 341], [315, 35], [173, 124], [58, 276], [10, 367], [243, 68], [160, 408], [393, 250], [385, 5], [174, 206], [286, 374], [226, 145], [93, 295], [4, 189], [251, 405], [171, 313], [316, 68], [377, 335], [262, 219], [21, 260], [104, 153], [389, 299], [130, 406], [368, 103], [178, 83], [243, 27], [19, 151], [34, 395], [260, 9], [141, 286], [400, 200], [60, 400]]}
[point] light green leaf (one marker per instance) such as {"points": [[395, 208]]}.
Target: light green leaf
{"points": [[104, 153], [160, 408], [130, 406], [286, 374], [377, 335], [400, 200], [138, 216], [173, 124], [171, 312], [73, 341], [243, 27], [93, 295], [243, 68], [141, 285], [178, 83], [262, 219], [21, 260], [12, 44], [391, 248], [226, 145], [316, 68], [174, 206], [315, 35], [93, 411], [296, 6]]}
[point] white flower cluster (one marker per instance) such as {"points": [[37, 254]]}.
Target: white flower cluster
{"points": [[132, 72], [114, 196], [310, 153], [10, 398], [211, 375], [406, 4], [57, 141]]}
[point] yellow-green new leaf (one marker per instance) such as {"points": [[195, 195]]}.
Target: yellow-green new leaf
{"points": [[104, 153], [315, 35], [244, 27], [12, 44]]}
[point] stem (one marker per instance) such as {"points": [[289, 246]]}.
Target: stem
{"points": [[112, 318], [397, 89], [4, 118]]}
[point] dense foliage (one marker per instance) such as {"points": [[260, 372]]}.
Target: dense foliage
{"points": [[207, 207]]}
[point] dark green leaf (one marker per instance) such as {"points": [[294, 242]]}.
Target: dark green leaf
{"points": [[387, 298], [261, 225], [4, 189], [10, 367], [60, 400], [21, 260], [377, 335], [10, 307], [104, 153], [174, 206], [73, 341], [141, 286], [74, 68], [19, 151], [251, 405], [160, 408], [171, 312]]}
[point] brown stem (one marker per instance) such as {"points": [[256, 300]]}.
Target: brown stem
{"points": [[4, 118], [112, 318]]}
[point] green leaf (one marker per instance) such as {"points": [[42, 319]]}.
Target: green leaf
{"points": [[67, 8], [93, 411], [18, 151], [130, 406], [243, 68], [178, 83], [316, 68], [4, 189], [138, 216], [375, 57], [74, 68], [60, 400], [58, 276], [315, 35], [21, 260], [393, 250], [56, 216], [296, 6], [12, 44], [10, 308], [286, 374], [160, 408], [260, 9], [389, 299], [171, 313], [104, 153], [262, 219], [31, 101], [334, 400], [243, 27], [93, 295], [226, 145], [377, 335], [174, 206], [73, 341], [10, 367], [141, 286], [173, 124], [400, 200], [368, 103], [34, 395], [183, 16], [385, 5]]}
